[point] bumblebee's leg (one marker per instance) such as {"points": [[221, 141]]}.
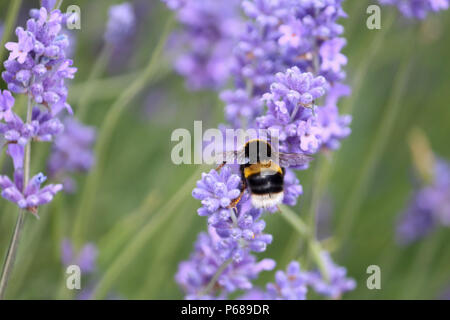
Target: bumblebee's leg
{"points": [[221, 166], [234, 203]]}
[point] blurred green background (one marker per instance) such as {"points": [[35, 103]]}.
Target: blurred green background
{"points": [[140, 191]]}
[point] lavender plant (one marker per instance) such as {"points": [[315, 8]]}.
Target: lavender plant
{"points": [[293, 283], [37, 67], [209, 32], [286, 58]]}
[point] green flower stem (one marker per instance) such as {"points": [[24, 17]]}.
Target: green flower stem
{"points": [[173, 239], [123, 230], [216, 276], [420, 272], [387, 124], [138, 242], [90, 190], [14, 243], [319, 185], [10, 23], [98, 68], [32, 242], [11, 255], [313, 245], [107, 88]]}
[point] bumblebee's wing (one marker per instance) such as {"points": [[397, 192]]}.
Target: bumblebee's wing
{"points": [[236, 156], [293, 159]]}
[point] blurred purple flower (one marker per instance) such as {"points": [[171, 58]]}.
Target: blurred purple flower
{"points": [[336, 285], [121, 23], [292, 188], [85, 258], [48, 4], [417, 9], [174, 4], [240, 109], [203, 46], [253, 294], [428, 208], [195, 274], [293, 284], [17, 133], [289, 285], [6, 104], [72, 151]]}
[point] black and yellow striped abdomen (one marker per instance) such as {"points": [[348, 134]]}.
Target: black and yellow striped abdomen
{"points": [[263, 178]]}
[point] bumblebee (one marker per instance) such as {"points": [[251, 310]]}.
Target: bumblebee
{"points": [[262, 171]]}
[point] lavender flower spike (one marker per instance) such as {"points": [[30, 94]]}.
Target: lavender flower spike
{"points": [[31, 196], [290, 103], [195, 274], [121, 23], [37, 64], [203, 45], [289, 285], [240, 230], [336, 285]]}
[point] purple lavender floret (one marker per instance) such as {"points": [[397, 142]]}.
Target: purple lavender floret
{"points": [[6, 104], [289, 285], [240, 108], [292, 188], [72, 152], [337, 282], [31, 196], [293, 284], [210, 29], [428, 208], [195, 274], [417, 9], [37, 64], [48, 4], [43, 127], [85, 258], [333, 126], [121, 23]]}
